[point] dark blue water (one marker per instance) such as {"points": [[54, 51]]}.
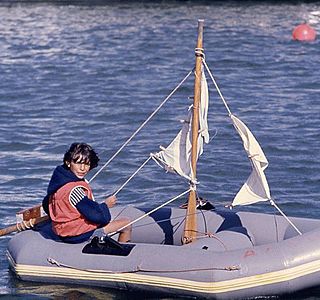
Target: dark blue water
{"points": [[93, 73]]}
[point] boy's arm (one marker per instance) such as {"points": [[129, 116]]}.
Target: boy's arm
{"points": [[91, 210]]}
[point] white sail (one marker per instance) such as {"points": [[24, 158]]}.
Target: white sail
{"points": [[177, 156], [256, 187], [203, 113]]}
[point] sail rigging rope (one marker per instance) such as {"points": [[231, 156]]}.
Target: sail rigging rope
{"points": [[134, 174], [160, 221], [169, 219], [205, 234], [150, 212], [283, 214], [140, 127], [217, 87], [230, 115]]}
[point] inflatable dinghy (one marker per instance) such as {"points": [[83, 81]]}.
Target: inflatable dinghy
{"points": [[237, 257]]}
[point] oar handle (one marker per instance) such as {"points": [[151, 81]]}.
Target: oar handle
{"points": [[23, 225]]}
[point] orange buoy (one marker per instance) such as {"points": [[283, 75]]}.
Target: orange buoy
{"points": [[304, 32]]}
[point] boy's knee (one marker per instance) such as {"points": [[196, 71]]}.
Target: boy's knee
{"points": [[126, 222]]}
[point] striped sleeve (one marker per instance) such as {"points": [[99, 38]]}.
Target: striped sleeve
{"points": [[76, 195]]}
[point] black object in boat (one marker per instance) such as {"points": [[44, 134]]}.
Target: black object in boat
{"points": [[107, 246]]}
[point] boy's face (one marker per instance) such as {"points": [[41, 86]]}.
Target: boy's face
{"points": [[80, 167]]}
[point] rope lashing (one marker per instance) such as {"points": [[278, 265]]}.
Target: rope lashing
{"points": [[19, 227], [141, 126], [25, 225], [199, 52], [193, 184]]}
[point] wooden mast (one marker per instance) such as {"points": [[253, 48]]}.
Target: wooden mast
{"points": [[190, 228]]}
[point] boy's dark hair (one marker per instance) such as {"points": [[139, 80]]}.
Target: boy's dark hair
{"points": [[83, 150]]}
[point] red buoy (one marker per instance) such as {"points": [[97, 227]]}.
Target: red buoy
{"points": [[304, 32]]}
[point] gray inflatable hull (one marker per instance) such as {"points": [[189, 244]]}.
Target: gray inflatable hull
{"points": [[246, 255]]}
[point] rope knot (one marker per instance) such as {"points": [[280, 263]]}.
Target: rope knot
{"points": [[138, 268], [53, 261], [193, 185], [210, 234], [233, 268]]}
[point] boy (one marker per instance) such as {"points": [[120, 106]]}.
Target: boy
{"points": [[70, 203]]}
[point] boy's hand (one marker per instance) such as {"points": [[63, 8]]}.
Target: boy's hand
{"points": [[111, 201]]}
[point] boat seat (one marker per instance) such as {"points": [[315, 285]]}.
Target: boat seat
{"points": [[226, 240]]}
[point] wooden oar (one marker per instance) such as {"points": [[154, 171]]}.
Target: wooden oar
{"points": [[24, 225]]}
